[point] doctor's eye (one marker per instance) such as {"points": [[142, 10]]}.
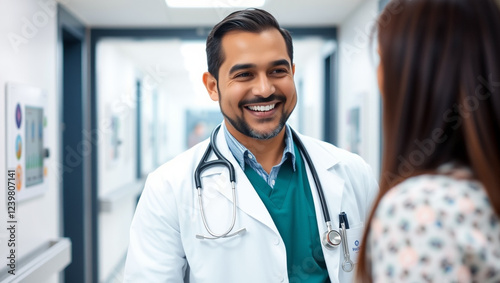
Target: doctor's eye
{"points": [[279, 71], [243, 75]]}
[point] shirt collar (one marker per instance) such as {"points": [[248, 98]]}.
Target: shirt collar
{"points": [[241, 153]]}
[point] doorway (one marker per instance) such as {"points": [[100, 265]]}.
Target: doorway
{"points": [[76, 150]]}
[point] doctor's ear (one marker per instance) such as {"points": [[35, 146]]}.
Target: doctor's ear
{"points": [[211, 84]]}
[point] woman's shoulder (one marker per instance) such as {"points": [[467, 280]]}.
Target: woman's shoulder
{"points": [[439, 202], [436, 227], [440, 191]]}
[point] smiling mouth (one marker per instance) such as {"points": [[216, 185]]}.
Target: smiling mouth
{"points": [[262, 108]]}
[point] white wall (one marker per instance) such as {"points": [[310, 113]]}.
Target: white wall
{"points": [[357, 81], [32, 62], [176, 120], [309, 57], [162, 131], [116, 92], [309, 70]]}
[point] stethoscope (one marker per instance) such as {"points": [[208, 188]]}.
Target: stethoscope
{"points": [[331, 239]]}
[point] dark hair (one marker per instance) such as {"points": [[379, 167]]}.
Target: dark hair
{"points": [[250, 20], [441, 94]]}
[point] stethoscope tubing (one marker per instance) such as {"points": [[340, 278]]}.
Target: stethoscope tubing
{"points": [[204, 164], [319, 188], [331, 238]]}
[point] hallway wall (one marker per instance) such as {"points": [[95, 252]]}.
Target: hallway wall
{"points": [[358, 87], [28, 55], [117, 104]]}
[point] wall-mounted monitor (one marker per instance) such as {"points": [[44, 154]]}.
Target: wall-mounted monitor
{"points": [[25, 139]]}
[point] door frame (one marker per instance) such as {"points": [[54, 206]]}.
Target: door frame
{"points": [[79, 217]]}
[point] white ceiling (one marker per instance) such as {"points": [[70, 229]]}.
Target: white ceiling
{"points": [[155, 13]]}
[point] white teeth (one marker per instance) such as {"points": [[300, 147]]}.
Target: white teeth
{"points": [[262, 108]]}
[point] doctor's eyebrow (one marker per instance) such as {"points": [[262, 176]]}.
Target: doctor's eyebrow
{"points": [[237, 67], [282, 62]]}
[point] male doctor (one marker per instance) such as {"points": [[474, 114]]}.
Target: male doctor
{"points": [[251, 75]]}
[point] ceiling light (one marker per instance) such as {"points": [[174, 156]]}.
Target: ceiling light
{"points": [[214, 3]]}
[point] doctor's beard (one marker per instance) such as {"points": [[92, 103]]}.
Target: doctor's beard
{"points": [[242, 126]]}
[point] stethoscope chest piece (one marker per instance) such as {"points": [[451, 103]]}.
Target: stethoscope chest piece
{"points": [[331, 239]]}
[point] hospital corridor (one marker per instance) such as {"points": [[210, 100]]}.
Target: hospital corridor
{"points": [[96, 95]]}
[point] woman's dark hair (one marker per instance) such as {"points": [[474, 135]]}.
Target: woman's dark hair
{"points": [[249, 20], [440, 64]]}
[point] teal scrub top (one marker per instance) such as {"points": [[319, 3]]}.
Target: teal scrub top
{"points": [[291, 207]]}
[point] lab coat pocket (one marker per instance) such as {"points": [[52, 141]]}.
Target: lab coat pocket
{"points": [[354, 236]]}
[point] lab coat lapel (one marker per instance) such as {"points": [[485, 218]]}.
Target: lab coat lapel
{"points": [[333, 188], [247, 198]]}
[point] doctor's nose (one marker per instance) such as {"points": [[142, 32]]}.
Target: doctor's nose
{"points": [[263, 86]]}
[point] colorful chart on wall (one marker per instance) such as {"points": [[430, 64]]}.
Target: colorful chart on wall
{"points": [[25, 139]]}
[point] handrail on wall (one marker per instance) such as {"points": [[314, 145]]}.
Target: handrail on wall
{"points": [[133, 189], [51, 258]]}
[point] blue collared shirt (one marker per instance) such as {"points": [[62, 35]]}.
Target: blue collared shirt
{"points": [[244, 156]]}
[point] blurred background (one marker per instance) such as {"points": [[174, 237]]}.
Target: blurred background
{"points": [[119, 84]]}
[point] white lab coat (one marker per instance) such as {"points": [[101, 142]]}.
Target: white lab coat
{"points": [[163, 233]]}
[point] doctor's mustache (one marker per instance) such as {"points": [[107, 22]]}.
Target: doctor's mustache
{"points": [[272, 97]]}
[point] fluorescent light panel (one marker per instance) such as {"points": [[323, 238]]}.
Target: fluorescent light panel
{"points": [[214, 3]]}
